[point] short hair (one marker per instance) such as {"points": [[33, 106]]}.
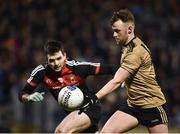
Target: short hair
{"points": [[53, 46], [124, 15]]}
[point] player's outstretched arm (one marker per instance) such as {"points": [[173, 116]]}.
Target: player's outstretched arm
{"points": [[120, 76], [27, 94], [34, 97]]}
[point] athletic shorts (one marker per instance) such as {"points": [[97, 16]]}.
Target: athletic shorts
{"points": [[94, 113], [148, 117]]}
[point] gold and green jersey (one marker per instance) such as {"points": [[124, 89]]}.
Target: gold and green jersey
{"points": [[142, 88]]}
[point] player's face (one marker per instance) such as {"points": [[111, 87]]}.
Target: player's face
{"points": [[56, 61], [120, 32]]}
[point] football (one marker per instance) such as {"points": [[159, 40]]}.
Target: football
{"points": [[70, 98]]}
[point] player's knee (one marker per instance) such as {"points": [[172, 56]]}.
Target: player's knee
{"points": [[59, 130]]}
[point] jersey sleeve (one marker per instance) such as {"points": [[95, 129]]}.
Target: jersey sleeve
{"points": [[34, 80], [36, 76], [27, 89], [90, 68], [84, 68], [131, 63], [107, 69]]}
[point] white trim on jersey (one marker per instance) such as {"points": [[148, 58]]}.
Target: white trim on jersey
{"points": [[77, 63], [37, 69]]}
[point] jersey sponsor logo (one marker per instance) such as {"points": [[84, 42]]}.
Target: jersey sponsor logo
{"points": [[60, 82]]}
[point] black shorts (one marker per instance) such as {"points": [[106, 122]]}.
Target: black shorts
{"points": [[148, 117], [94, 113]]}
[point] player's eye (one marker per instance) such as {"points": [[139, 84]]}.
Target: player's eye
{"points": [[116, 30], [59, 58], [51, 60]]}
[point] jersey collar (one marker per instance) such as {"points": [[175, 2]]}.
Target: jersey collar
{"points": [[129, 42]]}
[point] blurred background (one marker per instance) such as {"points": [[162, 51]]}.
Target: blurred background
{"points": [[84, 27]]}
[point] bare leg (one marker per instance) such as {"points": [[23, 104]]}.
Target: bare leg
{"points": [[161, 128], [119, 122], [74, 122]]}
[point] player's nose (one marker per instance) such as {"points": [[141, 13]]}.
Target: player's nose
{"points": [[56, 62], [114, 34]]}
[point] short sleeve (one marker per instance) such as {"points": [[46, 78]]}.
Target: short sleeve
{"points": [[131, 62], [36, 76]]}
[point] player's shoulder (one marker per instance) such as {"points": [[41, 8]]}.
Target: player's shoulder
{"points": [[38, 69], [71, 62], [139, 47]]}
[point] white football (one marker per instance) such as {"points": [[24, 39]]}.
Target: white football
{"points": [[70, 98]]}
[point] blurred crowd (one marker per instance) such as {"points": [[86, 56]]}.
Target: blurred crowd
{"points": [[84, 27]]}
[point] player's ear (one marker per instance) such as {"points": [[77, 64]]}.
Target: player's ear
{"points": [[65, 57], [130, 29]]}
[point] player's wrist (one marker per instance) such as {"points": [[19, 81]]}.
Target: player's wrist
{"points": [[25, 97], [92, 98], [95, 98]]}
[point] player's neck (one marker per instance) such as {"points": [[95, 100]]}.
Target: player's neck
{"points": [[131, 37]]}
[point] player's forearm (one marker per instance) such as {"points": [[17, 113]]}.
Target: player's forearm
{"points": [[25, 92], [108, 88], [34, 97], [120, 76]]}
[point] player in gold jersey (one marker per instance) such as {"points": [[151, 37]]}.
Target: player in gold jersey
{"points": [[146, 103]]}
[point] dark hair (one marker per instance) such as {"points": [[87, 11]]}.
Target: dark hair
{"points": [[124, 15], [53, 46]]}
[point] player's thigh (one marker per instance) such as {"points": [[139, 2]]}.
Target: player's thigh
{"points": [[160, 128], [119, 122], [74, 122]]}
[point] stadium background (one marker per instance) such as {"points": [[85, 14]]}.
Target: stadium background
{"points": [[83, 25]]}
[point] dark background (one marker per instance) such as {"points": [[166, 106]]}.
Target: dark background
{"points": [[84, 27]]}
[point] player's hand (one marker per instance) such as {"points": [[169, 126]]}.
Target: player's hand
{"points": [[89, 100], [36, 97]]}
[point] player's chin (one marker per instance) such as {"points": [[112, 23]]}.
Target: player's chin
{"points": [[58, 69], [117, 42]]}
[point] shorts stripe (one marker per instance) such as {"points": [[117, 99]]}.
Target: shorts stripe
{"points": [[163, 114]]}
